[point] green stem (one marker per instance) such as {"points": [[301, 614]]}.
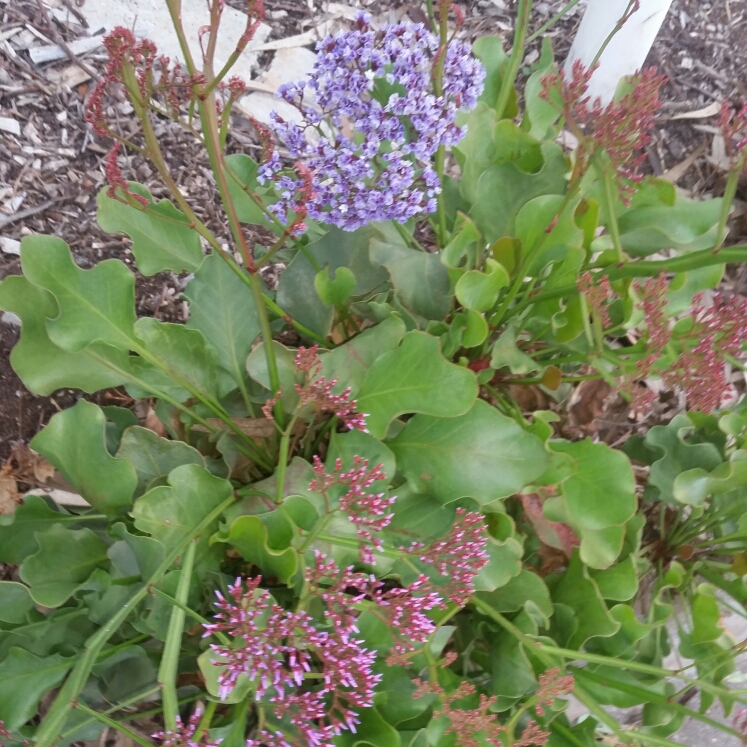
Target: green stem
{"points": [[49, 729], [110, 722], [623, 20], [206, 720], [610, 195], [168, 671], [730, 192], [283, 459], [517, 55], [557, 17], [269, 349], [645, 268]]}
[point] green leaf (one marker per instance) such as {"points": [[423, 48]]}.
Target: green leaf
{"points": [[17, 530], [355, 443], [693, 486], [461, 252], [419, 278], [504, 551], [514, 145], [350, 362], [118, 420], [677, 456], [371, 729], [521, 591], [479, 290], [210, 665], [476, 151], [706, 616], [15, 602], [94, 305], [688, 226], [169, 513], [506, 353], [296, 293], [243, 174], [256, 366], [618, 583], [162, 238], [539, 115], [184, 363], [512, 674], [481, 455], [601, 491], [147, 553], [334, 291], [476, 329], [24, 679], [265, 542], [414, 378], [65, 559], [74, 441], [153, 457], [222, 308], [489, 50], [504, 189], [577, 590], [43, 366]]}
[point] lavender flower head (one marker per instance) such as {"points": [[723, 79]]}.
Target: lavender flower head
{"points": [[371, 100]]}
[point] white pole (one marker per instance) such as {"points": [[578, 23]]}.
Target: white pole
{"points": [[628, 49]]}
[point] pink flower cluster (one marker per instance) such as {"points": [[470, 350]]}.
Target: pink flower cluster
{"points": [[316, 391], [459, 556], [369, 512], [598, 294], [733, 125], [186, 735]]}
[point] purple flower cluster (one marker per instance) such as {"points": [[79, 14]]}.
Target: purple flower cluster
{"points": [[186, 735], [376, 123]]}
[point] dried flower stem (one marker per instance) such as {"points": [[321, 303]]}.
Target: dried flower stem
{"points": [[517, 55], [562, 13]]}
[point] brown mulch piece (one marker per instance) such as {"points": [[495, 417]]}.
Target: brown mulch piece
{"points": [[52, 169]]}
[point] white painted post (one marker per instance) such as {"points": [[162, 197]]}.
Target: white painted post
{"points": [[628, 49]]}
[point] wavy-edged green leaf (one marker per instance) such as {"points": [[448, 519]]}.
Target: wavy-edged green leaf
{"points": [[677, 455], [43, 366], [152, 456], [146, 552], [481, 455], [539, 114], [264, 541], [65, 559], [184, 362], [24, 679], [349, 363], [521, 591], [489, 50], [15, 602], [169, 513], [476, 150], [162, 238], [370, 730], [504, 189], [296, 293], [577, 590], [512, 675], [18, 530], [504, 549], [420, 279], [222, 308], [94, 305], [478, 290], [74, 441], [414, 378], [693, 486], [688, 226], [600, 493]]}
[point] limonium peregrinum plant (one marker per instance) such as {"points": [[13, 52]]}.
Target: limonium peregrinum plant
{"points": [[339, 521]]}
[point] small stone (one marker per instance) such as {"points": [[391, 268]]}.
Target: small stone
{"points": [[10, 125], [10, 318], [10, 246]]}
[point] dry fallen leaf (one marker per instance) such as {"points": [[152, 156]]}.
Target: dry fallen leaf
{"points": [[153, 423], [9, 495]]}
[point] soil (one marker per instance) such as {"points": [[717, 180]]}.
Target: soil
{"points": [[51, 172]]}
